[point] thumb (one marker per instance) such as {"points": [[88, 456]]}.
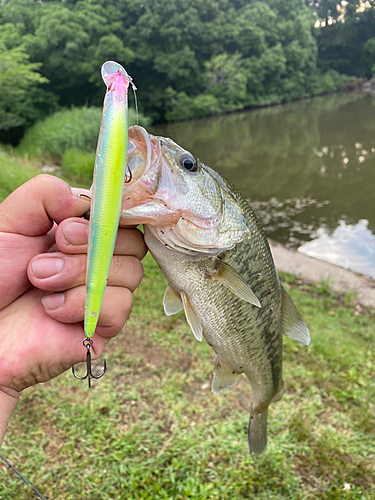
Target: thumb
{"points": [[32, 208], [26, 218]]}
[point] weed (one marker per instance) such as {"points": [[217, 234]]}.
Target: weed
{"points": [[324, 286], [350, 297]]}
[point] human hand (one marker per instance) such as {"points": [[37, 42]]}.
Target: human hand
{"points": [[42, 294]]}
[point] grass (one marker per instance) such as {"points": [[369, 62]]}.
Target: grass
{"points": [[14, 171], [152, 429], [64, 130], [50, 138], [67, 138], [78, 165]]}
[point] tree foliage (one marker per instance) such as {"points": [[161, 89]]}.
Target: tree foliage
{"points": [[344, 36], [18, 78], [188, 57]]}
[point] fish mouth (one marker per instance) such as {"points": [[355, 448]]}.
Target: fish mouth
{"points": [[144, 192], [139, 152]]}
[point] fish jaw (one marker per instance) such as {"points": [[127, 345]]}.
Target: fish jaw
{"points": [[187, 210]]}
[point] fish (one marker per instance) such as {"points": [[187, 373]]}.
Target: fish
{"points": [[212, 250], [107, 189]]}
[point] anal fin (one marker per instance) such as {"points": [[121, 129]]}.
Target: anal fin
{"points": [[224, 377]]}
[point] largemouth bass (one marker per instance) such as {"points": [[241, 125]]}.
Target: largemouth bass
{"points": [[215, 256]]}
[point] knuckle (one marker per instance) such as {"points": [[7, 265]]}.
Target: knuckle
{"points": [[137, 270], [117, 316], [48, 181]]}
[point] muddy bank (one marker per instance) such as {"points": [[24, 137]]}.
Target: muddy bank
{"points": [[313, 270]]}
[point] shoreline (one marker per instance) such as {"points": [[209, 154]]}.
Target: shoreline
{"points": [[313, 270]]}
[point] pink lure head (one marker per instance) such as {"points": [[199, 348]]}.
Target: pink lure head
{"points": [[115, 76]]}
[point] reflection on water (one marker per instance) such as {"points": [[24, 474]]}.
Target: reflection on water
{"points": [[321, 149], [352, 247]]}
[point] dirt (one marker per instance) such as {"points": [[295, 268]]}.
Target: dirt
{"points": [[313, 270]]}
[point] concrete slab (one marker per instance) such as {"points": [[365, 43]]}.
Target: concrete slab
{"points": [[313, 270]]}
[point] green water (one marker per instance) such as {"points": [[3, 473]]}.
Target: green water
{"points": [[308, 169]]}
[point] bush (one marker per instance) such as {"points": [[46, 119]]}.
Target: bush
{"points": [[78, 164], [76, 128]]}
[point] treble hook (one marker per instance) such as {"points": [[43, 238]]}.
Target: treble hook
{"points": [[89, 375]]}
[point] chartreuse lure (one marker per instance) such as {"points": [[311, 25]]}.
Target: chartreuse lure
{"points": [[108, 185]]}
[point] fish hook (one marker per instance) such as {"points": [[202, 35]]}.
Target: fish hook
{"points": [[127, 180], [89, 374]]}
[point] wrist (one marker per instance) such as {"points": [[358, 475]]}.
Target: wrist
{"points": [[8, 401]]}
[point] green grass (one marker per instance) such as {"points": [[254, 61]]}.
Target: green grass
{"points": [[78, 165], [50, 138], [152, 429], [13, 172], [75, 128]]}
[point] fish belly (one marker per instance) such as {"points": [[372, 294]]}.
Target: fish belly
{"points": [[247, 338]]}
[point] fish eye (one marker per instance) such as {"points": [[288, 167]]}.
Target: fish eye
{"points": [[188, 162]]}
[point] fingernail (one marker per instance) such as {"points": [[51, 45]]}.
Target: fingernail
{"points": [[53, 301], [45, 267], [76, 233], [77, 192]]}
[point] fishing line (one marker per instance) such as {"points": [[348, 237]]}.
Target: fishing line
{"points": [[39, 495], [134, 88]]}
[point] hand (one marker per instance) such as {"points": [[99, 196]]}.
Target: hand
{"points": [[42, 293]]}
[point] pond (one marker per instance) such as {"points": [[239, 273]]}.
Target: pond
{"points": [[307, 168]]}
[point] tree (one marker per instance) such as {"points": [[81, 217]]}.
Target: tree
{"points": [[187, 57], [18, 78]]}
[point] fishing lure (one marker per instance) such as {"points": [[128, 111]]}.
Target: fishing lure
{"points": [[108, 185]]}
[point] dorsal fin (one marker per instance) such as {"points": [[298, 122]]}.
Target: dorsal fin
{"points": [[292, 323], [230, 278], [172, 302]]}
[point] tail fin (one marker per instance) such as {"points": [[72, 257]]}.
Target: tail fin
{"points": [[257, 433]]}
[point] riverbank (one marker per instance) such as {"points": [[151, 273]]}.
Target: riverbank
{"points": [[313, 270]]}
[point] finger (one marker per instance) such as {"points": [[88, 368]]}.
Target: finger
{"points": [[31, 209], [14, 280], [72, 236], [130, 241], [69, 307], [58, 272]]}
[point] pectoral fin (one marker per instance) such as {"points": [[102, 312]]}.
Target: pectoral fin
{"points": [[224, 377], [172, 302], [231, 279], [292, 323], [192, 318]]}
